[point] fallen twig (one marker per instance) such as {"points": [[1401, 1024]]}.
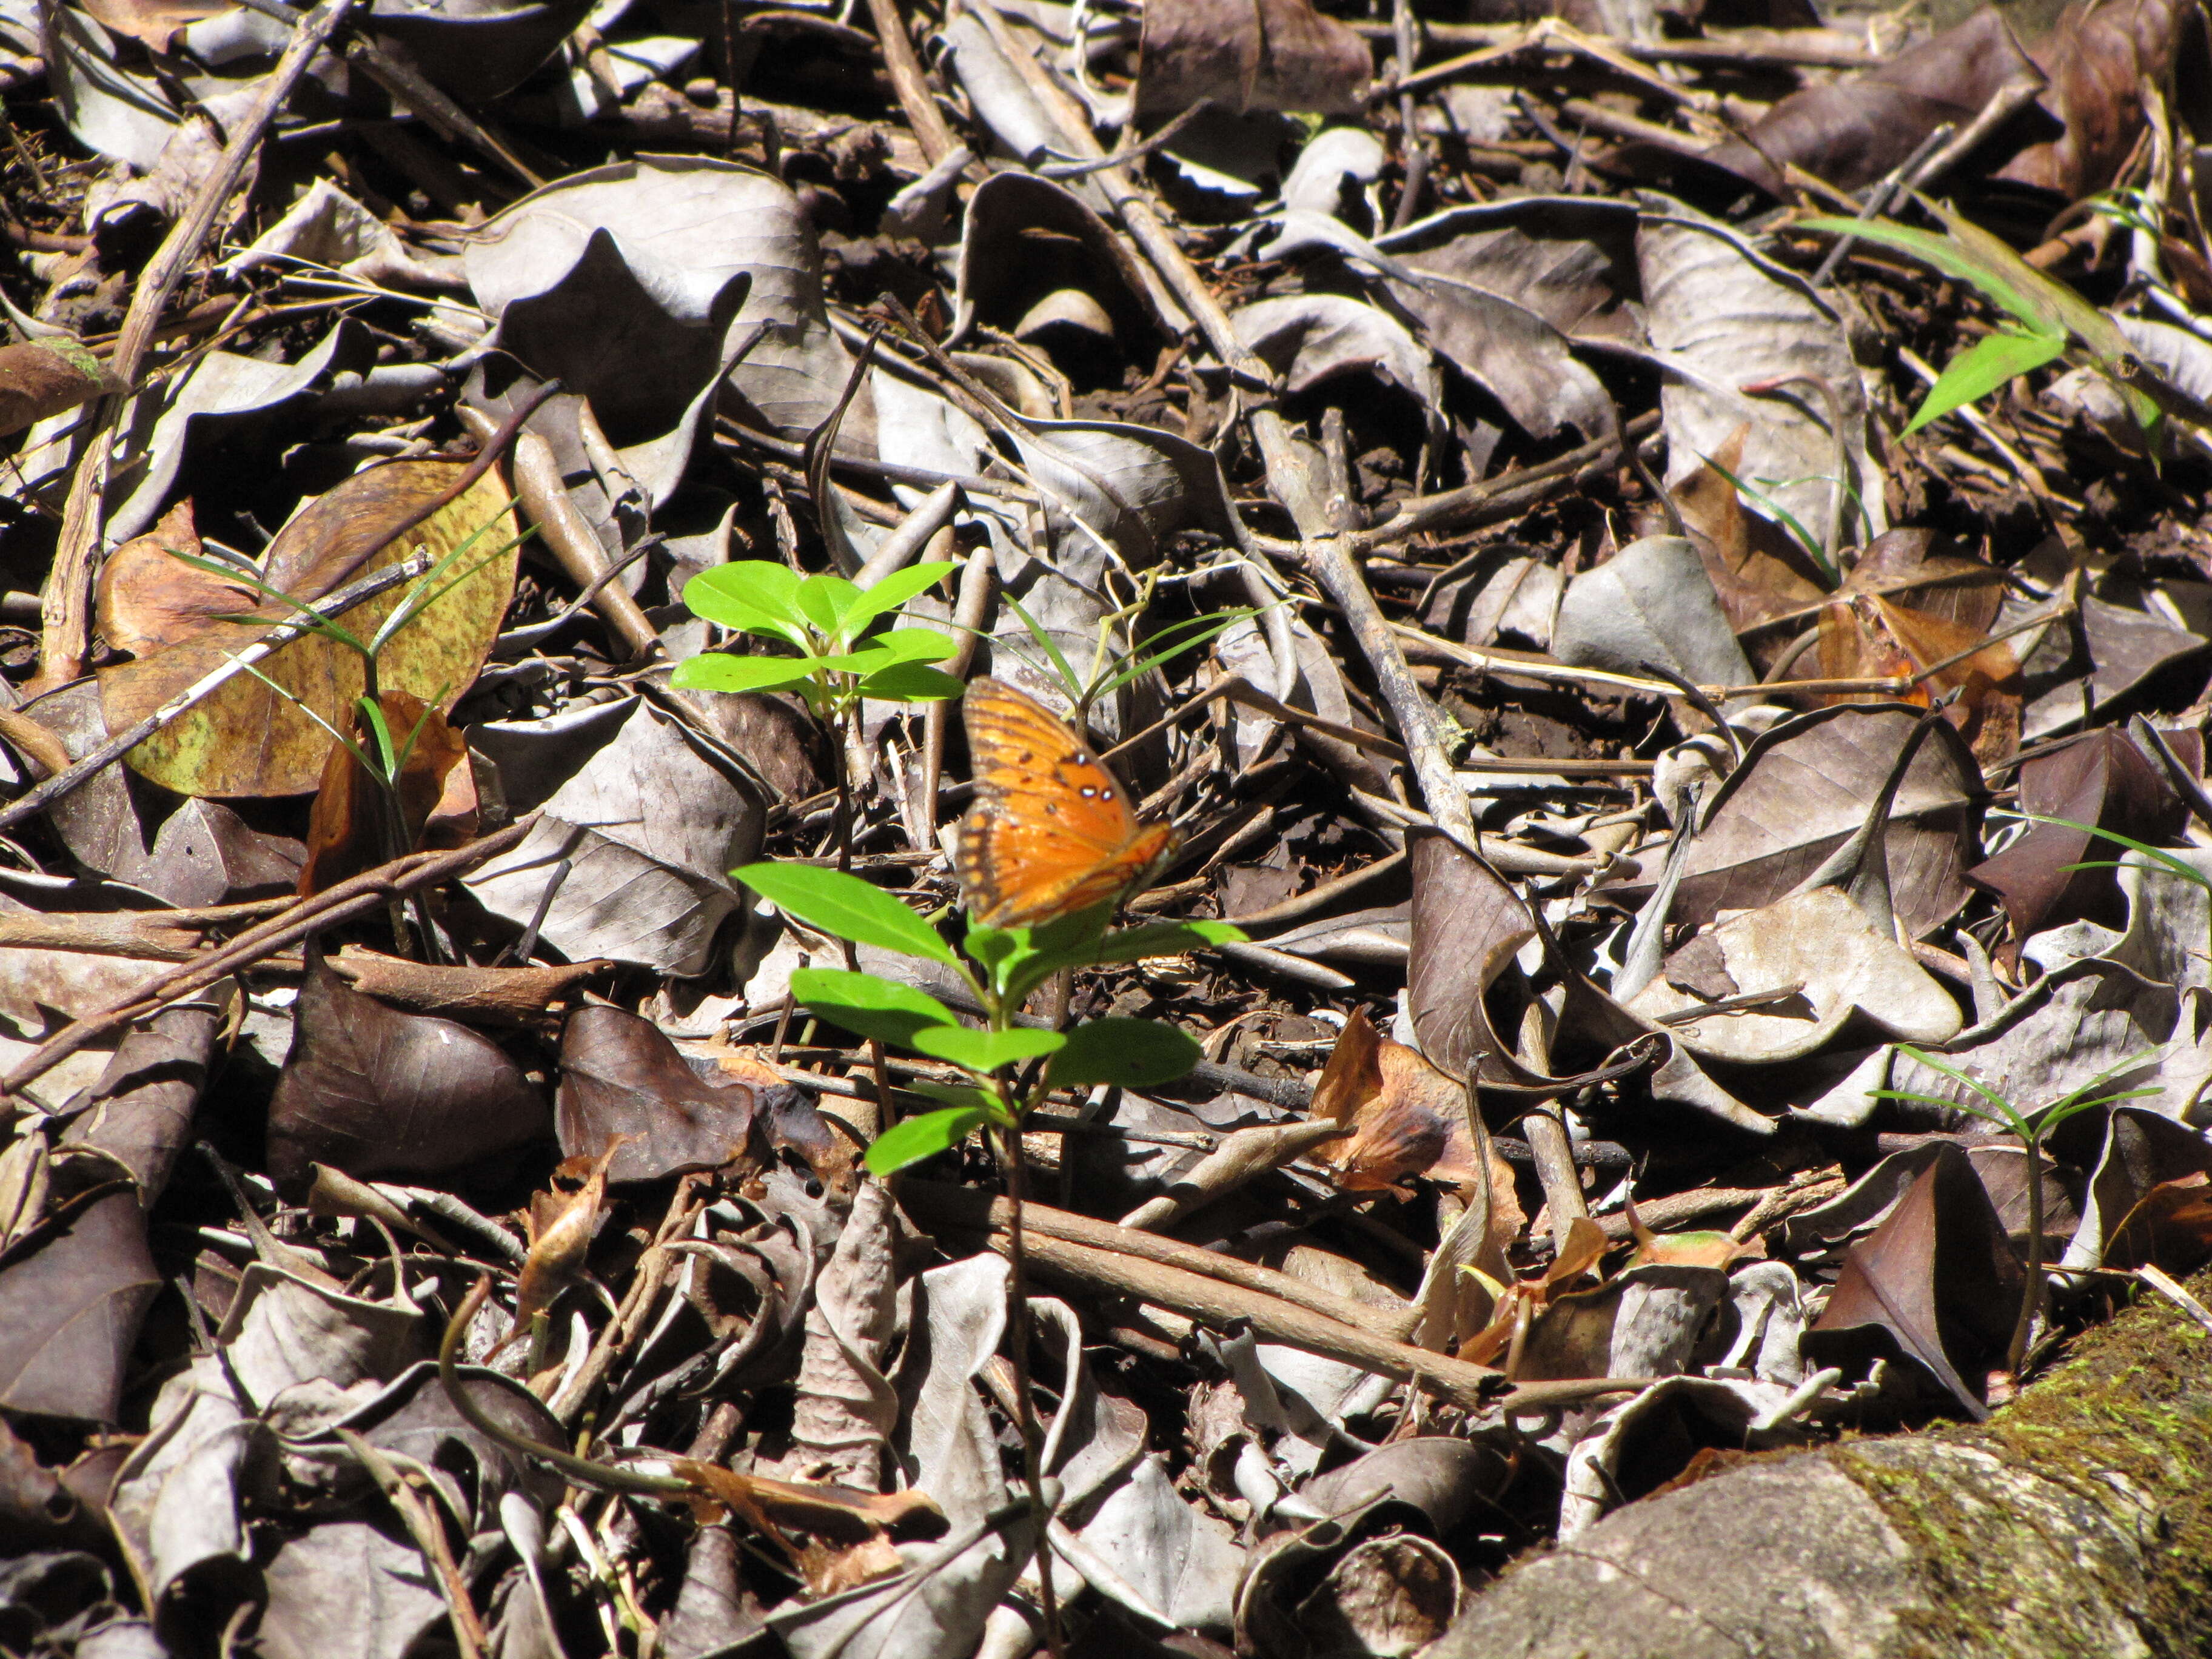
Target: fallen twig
{"points": [[357, 897]]}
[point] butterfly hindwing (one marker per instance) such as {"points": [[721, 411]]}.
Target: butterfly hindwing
{"points": [[1052, 831]]}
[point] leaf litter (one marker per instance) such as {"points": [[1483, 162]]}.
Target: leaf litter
{"points": [[1658, 569]]}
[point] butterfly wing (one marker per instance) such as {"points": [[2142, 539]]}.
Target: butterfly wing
{"points": [[1052, 831]]}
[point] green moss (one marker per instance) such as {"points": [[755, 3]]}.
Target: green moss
{"points": [[2123, 1425]]}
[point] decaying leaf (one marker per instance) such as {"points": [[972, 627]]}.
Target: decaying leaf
{"points": [[561, 1225], [1406, 1117], [621, 1079], [256, 738]]}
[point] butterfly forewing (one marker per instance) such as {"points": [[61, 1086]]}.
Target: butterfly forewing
{"points": [[1052, 831]]}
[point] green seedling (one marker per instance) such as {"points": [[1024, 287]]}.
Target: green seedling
{"points": [[827, 621], [1010, 1068], [1110, 672], [2033, 1127], [1007, 1069], [2048, 320]]}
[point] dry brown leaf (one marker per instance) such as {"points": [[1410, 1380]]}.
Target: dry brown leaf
{"points": [[349, 828], [1406, 1117], [560, 1233], [1249, 54], [1758, 571]]}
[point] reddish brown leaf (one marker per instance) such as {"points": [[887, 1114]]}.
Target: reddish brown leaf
{"points": [[149, 598], [1880, 626], [1407, 1118], [620, 1076], [1758, 571], [2101, 778], [2100, 56], [348, 828]]}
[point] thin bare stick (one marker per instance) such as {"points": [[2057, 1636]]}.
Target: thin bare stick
{"points": [[1504, 497], [360, 895], [931, 130]]}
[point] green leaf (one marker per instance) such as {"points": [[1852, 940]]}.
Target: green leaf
{"points": [[984, 1052], [826, 601], [911, 682], [1984, 366], [1069, 680], [899, 646], [894, 590], [1134, 1053], [998, 951], [965, 1096], [1170, 642], [2005, 1112], [757, 596], [1069, 941], [914, 645], [713, 671], [917, 1137], [845, 906], [875, 1007]]}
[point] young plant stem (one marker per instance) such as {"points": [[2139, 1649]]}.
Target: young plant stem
{"points": [[2031, 1296], [886, 1108], [1018, 1296]]}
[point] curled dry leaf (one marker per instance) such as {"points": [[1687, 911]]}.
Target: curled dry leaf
{"points": [[1406, 1117], [630, 858], [2099, 58], [1869, 636], [257, 737], [1936, 1283], [1723, 317], [1826, 963], [1758, 570], [561, 1226], [846, 1407], [376, 1092]]}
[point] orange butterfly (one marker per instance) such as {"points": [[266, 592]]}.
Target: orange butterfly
{"points": [[1052, 831]]}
